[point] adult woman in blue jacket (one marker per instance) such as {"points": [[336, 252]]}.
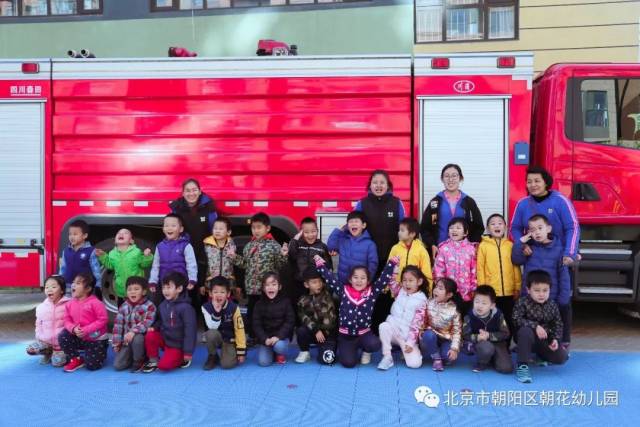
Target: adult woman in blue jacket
{"points": [[557, 208]]}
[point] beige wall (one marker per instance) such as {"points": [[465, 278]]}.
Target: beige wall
{"points": [[566, 31]]}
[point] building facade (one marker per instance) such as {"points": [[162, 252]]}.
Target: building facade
{"points": [[147, 28], [554, 30]]}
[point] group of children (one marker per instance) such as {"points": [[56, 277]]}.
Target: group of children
{"points": [[436, 313]]}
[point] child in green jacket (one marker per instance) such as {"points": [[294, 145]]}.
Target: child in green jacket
{"points": [[126, 260]]}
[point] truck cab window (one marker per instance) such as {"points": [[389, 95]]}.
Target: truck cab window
{"points": [[610, 112]]}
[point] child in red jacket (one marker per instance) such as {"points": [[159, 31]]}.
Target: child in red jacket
{"points": [[85, 326]]}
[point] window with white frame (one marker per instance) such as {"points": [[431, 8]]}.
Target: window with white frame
{"points": [[49, 7], [465, 20]]}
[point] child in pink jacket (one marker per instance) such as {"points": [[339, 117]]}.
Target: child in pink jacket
{"points": [[85, 326], [50, 322], [456, 260]]}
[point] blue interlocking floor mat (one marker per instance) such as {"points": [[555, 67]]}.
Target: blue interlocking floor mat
{"points": [[592, 389]]}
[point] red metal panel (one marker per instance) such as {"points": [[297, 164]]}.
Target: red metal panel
{"points": [[20, 271], [275, 140]]}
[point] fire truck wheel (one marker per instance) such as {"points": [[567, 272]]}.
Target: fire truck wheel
{"points": [[108, 287]]}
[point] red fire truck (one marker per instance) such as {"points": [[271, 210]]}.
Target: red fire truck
{"points": [[110, 141]]}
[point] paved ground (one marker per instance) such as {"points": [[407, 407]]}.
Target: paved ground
{"points": [[597, 327]]}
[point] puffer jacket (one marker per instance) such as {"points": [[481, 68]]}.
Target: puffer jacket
{"points": [[353, 251], [547, 257], [125, 264], [88, 313], [457, 260], [176, 321], [50, 320], [416, 255], [495, 267], [273, 317], [219, 260], [404, 308], [442, 318]]}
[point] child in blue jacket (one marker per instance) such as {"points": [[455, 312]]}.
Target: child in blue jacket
{"points": [[547, 253], [354, 245]]}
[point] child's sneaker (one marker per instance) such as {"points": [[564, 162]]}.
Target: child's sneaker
{"points": [[523, 374], [211, 362], [150, 367], [385, 363], [35, 348], [185, 363], [281, 359], [136, 366], [74, 364], [365, 359], [479, 367], [58, 359], [46, 359], [437, 365], [303, 357]]}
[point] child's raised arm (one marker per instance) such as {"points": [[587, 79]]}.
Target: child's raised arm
{"points": [[328, 276], [146, 258], [394, 286], [386, 276]]}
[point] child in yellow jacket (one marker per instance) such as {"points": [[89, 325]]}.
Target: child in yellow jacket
{"points": [[410, 250], [496, 269]]}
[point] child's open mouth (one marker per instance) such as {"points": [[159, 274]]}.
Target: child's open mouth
{"points": [[271, 294], [354, 230]]}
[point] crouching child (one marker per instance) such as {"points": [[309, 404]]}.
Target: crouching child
{"points": [[485, 333], [319, 320], [175, 328], [226, 328], [135, 316], [538, 323]]}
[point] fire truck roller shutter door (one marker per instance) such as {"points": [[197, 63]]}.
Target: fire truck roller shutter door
{"points": [[468, 131], [21, 177]]}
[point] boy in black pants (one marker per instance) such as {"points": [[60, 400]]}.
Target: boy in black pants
{"points": [[538, 324], [319, 318]]}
